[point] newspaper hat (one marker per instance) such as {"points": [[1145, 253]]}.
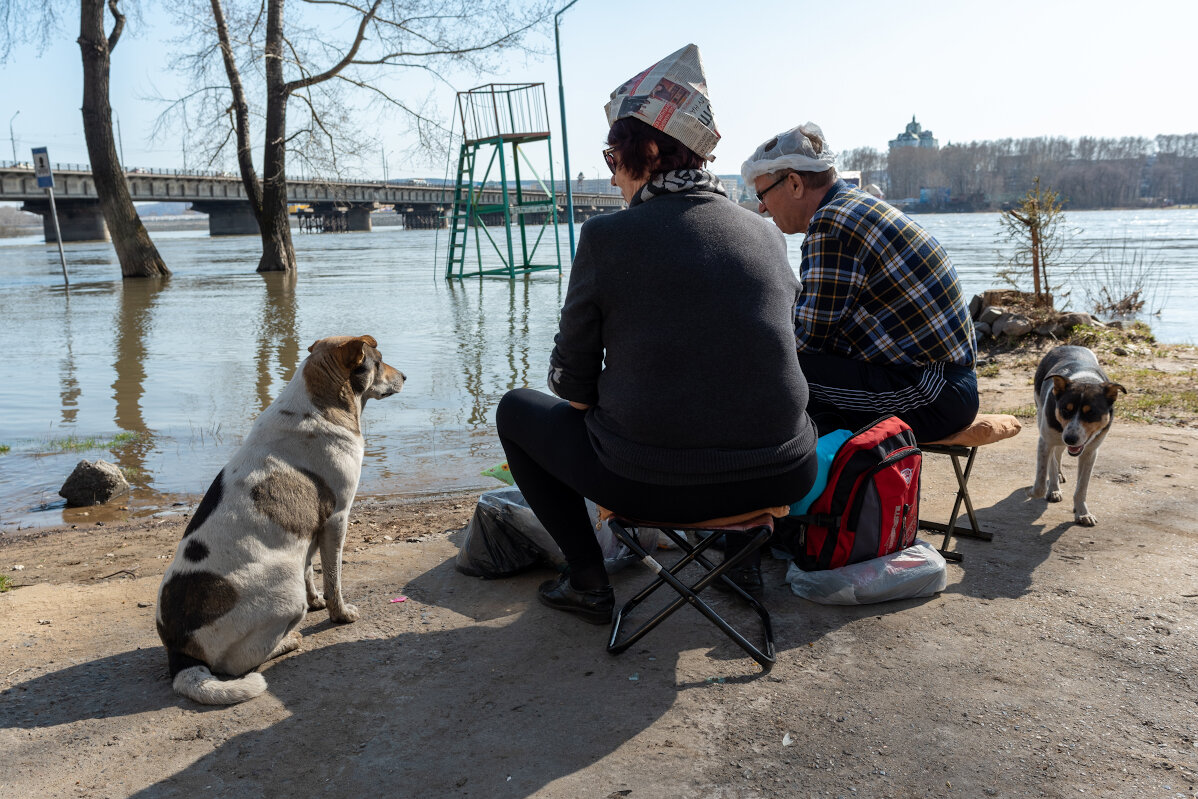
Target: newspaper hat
{"points": [[671, 96], [790, 150]]}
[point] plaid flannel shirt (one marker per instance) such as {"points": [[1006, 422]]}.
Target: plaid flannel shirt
{"points": [[878, 288]]}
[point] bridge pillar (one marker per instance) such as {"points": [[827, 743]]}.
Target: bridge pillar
{"points": [[79, 220], [229, 218], [358, 218], [418, 218]]}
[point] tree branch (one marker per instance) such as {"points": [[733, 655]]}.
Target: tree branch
{"points": [[118, 25], [347, 59]]}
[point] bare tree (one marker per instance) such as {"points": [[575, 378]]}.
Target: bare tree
{"points": [[134, 249], [270, 55], [1032, 227], [36, 22]]}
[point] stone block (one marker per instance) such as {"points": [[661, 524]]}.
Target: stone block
{"points": [[990, 313], [93, 483], [1011, 325], [975, 306]]}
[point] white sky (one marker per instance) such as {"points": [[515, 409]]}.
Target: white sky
{"points": [[860, 68]]}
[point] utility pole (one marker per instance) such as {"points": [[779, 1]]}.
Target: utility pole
{"points": [[561, 96], [12, 139]]}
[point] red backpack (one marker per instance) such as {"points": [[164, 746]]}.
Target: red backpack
{"points": [[870, 506]]}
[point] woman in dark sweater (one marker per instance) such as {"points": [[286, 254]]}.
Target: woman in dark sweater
{"points": [[675, 356]]}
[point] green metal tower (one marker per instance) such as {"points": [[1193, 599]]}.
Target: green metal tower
{"points": [[494, 117]]}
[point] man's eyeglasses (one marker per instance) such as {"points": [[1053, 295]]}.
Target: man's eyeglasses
{"points": [[609, 157], [761, 194]]}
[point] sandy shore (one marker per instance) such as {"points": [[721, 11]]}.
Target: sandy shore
{"points": [[1059, 662]]}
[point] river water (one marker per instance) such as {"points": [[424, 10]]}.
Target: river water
{"points": [[187, 363]]}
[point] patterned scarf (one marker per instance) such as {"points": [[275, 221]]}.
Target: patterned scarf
{"points": [[679, 180]]}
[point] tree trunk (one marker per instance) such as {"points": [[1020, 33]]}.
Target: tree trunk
{"points": [[278, 254], [136, 252]]}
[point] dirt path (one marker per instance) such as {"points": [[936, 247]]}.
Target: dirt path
{"points": [[1059, 662]]}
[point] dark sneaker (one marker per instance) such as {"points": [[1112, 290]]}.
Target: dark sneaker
{"points": [[591, 606], [747, 577]]}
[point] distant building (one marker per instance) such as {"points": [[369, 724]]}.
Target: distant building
{"points": [[915, 136]]}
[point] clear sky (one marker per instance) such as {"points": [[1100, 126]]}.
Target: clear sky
{"points": [[861, 69]]}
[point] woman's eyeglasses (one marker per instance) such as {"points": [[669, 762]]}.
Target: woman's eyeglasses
{"points": [[609, 157]]}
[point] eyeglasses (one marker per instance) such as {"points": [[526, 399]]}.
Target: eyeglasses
{"points": [[761, 194], [609, 157]]}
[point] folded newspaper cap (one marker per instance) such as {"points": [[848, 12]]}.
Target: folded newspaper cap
{"points": [[671, 96], [793, 149]]}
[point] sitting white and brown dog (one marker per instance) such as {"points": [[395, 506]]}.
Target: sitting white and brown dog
{"points": [[242, 579], [1075, 406]]}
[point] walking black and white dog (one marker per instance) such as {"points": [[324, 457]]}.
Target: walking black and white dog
{"points": [[1074, 410]]}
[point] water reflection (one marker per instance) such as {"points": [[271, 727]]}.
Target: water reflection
{"points": [[278, 353], [489, 334], [134, 323], [68, 380]]}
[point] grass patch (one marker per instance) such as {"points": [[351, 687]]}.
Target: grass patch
{"points": [[5, 449], [5, 584], [77, 444], [1020, 412], [132, 473], [1161, 382]]}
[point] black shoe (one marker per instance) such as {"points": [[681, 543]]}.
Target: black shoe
{"points": [[747, 578], [591, 606]]}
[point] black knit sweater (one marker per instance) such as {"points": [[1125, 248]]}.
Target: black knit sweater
{"points": [[678, 330]]}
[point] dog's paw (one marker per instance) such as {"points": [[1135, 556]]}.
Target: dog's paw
{"points": [[316, 602], [1085, 519], [348, 614], [1053, 496]]}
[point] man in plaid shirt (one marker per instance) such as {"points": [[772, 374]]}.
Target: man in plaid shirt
{"points": [[881, 325]]}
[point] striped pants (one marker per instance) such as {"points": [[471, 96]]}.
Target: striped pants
{"points": [[936, 401]]}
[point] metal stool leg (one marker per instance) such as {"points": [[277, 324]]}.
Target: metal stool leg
{"points": [[690, 593], [974, 530]]}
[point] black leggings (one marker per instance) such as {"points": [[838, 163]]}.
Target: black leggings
{"points": [[555, 466]]}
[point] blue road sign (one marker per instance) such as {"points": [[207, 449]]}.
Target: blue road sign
{"points": [[41, 168]]}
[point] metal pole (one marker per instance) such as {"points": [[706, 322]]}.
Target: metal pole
{"points": [[561, 97], [120, 141], [13, 139], [62, 257]]}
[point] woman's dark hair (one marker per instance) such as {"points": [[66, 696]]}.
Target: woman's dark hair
{"points": [[631, 139]]}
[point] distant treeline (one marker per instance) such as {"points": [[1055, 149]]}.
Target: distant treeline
{"points": [[1087, 172]]}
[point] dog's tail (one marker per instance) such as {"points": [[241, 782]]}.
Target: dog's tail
{"points": [[196, 682], [198, 685]]}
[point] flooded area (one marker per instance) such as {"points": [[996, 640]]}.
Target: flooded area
{"points": [[165, 377]]}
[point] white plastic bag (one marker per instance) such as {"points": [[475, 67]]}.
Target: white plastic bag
{"points": [[918, 570]]}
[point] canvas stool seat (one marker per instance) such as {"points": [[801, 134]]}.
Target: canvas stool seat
{"points": [[986, 428], [757, 525]]}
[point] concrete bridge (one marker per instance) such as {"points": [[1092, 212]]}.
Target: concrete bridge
{"points": [[222, 197]]}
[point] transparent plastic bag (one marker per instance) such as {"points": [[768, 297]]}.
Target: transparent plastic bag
{"points": [[919, 570], [505, 537]]}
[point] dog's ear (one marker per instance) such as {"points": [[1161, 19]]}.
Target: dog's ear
{"points": [[1058, 385], [369, 340], [314, 343], [352, 352], [1112, 391]]}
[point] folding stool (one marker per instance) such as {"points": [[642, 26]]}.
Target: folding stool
{"points": [[759, 526], [985, 429]]}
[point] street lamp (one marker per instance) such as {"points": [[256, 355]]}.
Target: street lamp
{"points": [[561, 96], [12, 139]]}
